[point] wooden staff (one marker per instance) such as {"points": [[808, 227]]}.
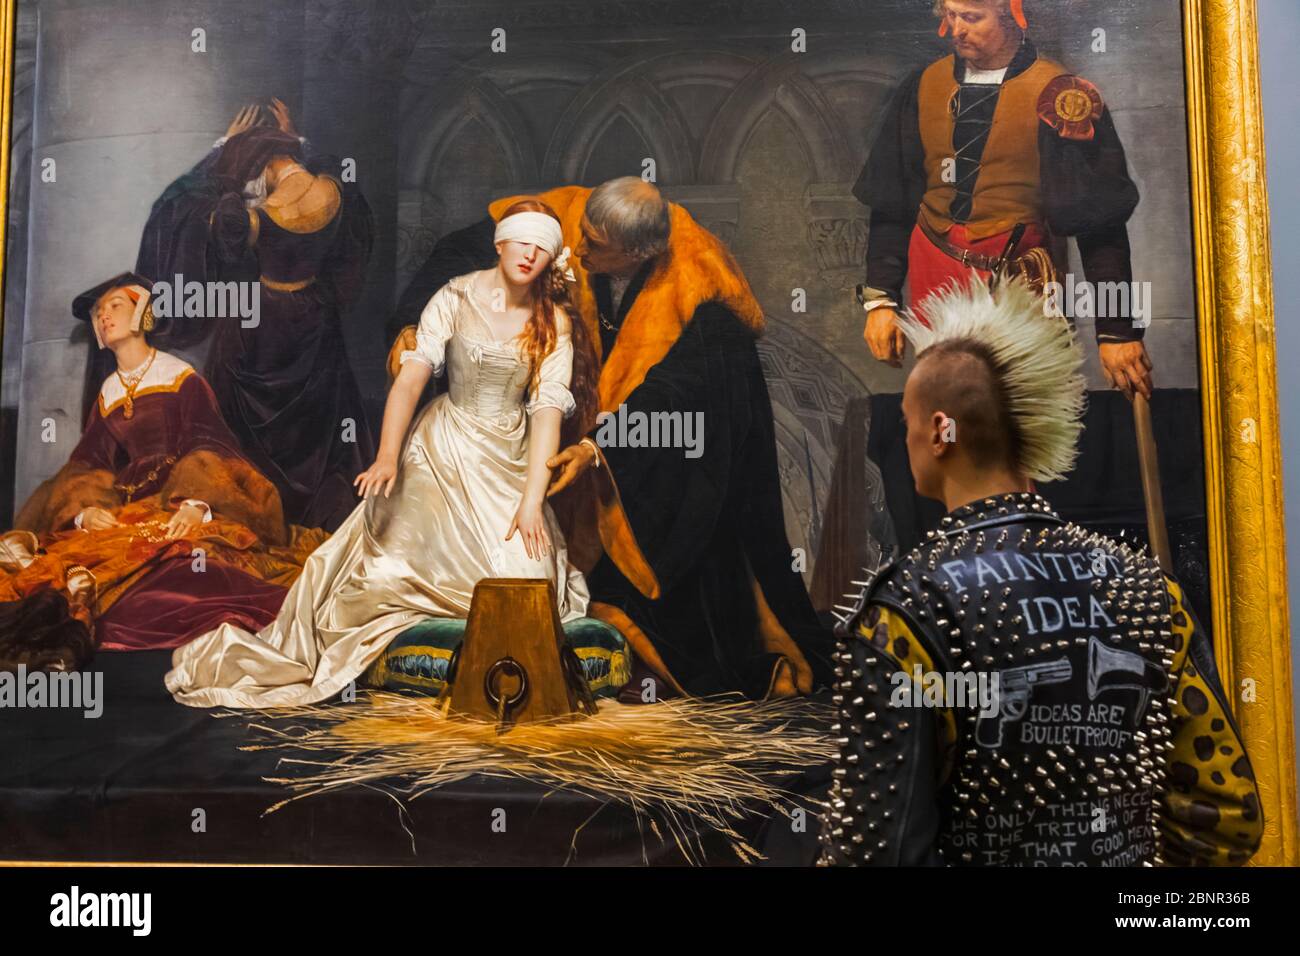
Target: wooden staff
{"points": [[1149, 464]]}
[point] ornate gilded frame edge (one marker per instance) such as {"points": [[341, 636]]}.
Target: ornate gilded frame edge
{"points": [[1243, 456]]}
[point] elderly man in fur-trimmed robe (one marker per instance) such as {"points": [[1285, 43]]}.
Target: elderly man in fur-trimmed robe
{"points": [[685, 548], [157, 528]]}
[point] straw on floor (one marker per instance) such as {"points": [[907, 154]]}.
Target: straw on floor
{"points": [[676, 764]]}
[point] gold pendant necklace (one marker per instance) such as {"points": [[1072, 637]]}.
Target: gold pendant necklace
{"points": [[131, 386]]}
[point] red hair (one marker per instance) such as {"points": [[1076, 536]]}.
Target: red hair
{"points": [[539, 335]]}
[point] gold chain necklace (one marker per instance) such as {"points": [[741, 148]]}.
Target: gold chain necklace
{"points": [[626, 284], [132, 385]]}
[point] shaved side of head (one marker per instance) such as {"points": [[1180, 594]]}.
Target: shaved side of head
{"points": [[957, 378]]}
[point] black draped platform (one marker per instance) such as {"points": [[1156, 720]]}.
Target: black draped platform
{"points": [[125, 787]]}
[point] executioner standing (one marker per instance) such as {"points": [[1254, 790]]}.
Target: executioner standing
{"points": [[997, 149]]}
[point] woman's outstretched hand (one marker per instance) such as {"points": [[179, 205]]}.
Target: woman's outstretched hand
{"points": [[381, 475], [529, 523], [245, 119]]}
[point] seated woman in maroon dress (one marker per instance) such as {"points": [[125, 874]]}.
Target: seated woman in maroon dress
{"points": [[157, 529]]}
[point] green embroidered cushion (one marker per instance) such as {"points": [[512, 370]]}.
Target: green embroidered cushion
{"points": [[419, 658]]}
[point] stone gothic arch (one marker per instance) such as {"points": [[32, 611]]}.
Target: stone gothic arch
{"points": [[446, 113], [625, 91], [776, 84]]}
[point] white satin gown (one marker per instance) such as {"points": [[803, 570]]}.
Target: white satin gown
{"points": [[418, 553]]}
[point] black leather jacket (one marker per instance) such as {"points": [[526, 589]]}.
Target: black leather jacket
{"points": [[1006, 697]]}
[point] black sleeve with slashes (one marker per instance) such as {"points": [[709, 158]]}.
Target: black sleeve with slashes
{"points": [[1087, 193], [1211, 813], [892, 184]]}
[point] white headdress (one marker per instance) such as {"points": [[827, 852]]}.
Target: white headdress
{"points": [[137, 294], [1037, 362], [535, 227]]}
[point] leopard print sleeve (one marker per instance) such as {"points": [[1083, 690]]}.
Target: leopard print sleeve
{"points": [[1211, 813]]}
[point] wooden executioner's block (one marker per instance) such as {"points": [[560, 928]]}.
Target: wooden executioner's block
{"points": [[514, 665]]}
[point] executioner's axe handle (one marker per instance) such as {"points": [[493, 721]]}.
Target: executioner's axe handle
{"points": [[1149, 464]]}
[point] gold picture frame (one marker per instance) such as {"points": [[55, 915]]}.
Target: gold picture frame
{"points": [[1243, 453], [1237, 358]]}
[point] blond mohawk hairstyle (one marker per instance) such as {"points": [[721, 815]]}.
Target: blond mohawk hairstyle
{"points": [[1036, 360]]}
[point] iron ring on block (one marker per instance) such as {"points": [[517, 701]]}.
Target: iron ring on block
{"points": [[514, 668]]}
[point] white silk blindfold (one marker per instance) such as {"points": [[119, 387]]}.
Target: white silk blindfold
{"points": [[535, 227]]}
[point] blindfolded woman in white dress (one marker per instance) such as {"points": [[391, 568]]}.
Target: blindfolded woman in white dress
{"points": [[459, 498]]}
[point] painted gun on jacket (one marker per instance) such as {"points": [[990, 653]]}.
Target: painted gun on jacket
{"points": [[1014, 689]]}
